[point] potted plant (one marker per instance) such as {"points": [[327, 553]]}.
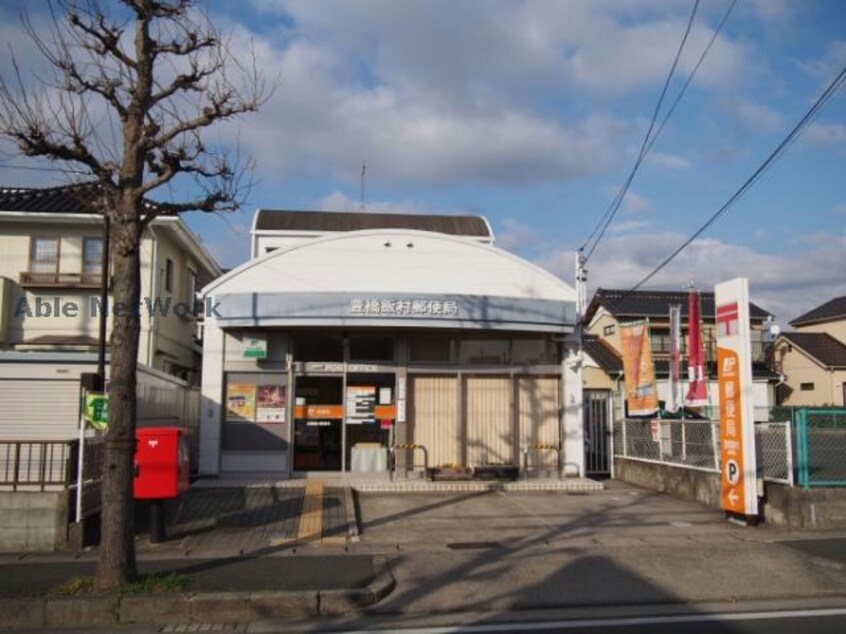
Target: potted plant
{"points": [[496, 471], [449, 472]]}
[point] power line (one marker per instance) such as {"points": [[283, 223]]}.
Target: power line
{"points": [[34, 168], [819, 104], [602, 226], [691, 75]]}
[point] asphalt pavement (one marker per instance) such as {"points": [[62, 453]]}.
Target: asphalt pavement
{"points": [[237, 574]]}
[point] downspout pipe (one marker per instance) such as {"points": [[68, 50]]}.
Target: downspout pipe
{"points": [[154, 277]]}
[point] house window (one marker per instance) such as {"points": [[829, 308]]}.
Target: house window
{"points": [[192, 287], [608, 330], [44, 257], [169, 275], [92, 256], [430, 348], [484, 351], [371, 348], [806, 387]]}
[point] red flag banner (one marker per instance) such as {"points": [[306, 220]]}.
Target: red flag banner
{"points": [[674, 395], [697, 389], [641, 395]]}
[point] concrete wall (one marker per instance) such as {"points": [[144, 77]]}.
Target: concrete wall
{"points": [[799, 508], [690, 484], [792, 507], [33, 521]]}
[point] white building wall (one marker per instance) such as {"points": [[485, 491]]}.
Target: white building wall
{"points": [[211, 399]]}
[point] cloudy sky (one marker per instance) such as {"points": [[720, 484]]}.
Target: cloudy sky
{"points": [[532, 112]]}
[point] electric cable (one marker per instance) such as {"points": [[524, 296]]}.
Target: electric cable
{"points": [[608, 216], [797, 130]]}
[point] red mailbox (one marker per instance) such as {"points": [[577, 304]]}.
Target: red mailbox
{"points": [[161, 462]]}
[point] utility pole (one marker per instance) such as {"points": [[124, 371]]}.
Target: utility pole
{"points": [[581, 285]]}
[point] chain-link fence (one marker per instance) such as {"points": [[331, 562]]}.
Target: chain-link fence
{"points": [[774, 449], [696, 444], [821, 447], [690, 443]]}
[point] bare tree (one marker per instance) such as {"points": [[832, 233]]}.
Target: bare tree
{"points": [[129, 95]]}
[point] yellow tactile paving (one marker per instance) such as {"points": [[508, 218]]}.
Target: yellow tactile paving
{"points": [[311, 518]]}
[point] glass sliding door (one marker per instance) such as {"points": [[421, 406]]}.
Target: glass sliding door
{"points": [[318, 419]]}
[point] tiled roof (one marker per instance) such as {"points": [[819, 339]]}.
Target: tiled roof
{"points": [[823, 347], [655, 304], [282, 220], [831, 310], [604, 355], [65, 199]]}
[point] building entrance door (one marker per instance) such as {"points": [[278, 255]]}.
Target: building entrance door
{"points": [[370, 416], [597, 407], [318, 420]]}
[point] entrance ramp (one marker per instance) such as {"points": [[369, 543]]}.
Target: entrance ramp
{"points": [[380, 483]]}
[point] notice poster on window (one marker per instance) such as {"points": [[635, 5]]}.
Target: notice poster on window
{"points": [[270, 403], [361, 404], [241, 401]]}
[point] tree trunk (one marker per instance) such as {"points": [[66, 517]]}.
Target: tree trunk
{"points": [[117, 564]]}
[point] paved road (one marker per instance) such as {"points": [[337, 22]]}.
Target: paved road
{"points": [[238, 574], [817, 621], [625, 546]]}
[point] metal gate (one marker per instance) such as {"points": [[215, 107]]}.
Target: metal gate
{"points": [[597, 408]]}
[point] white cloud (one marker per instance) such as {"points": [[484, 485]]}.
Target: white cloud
{"points": [[826, 134], [786, 284], [317, 126], [636, 204], [338, 201], [426, 100], [516, 236], [668, 161], [751, 115], [826, 67]]}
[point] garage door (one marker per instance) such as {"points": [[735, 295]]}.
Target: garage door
{"points": [[435, 418], [34, 409], [539, 417], [490, 433]]}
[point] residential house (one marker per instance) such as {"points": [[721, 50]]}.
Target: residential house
{"points": [[813, 358], [50, 279], [608, 309]]}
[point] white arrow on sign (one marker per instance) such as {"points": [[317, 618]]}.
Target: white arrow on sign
{"points": [[733, 497], [153, 443]]}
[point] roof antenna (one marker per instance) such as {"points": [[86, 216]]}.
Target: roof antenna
{"points": [[363, 205]]}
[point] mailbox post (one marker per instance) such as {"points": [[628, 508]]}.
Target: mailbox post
{"points": [[161, 472]]}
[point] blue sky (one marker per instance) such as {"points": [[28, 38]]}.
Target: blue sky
{"points": [[532, 112]]}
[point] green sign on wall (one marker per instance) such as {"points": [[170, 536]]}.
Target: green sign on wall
{"points": [[256, 348]]}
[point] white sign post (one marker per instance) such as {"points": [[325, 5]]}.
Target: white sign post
{"points": [[739, 495]]}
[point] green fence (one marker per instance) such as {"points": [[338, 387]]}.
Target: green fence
{"points": [[820, 447]]}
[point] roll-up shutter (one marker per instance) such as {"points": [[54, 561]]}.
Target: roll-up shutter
{"points": [[490, 434], [539, 411], [39, 408], [435, 418]]}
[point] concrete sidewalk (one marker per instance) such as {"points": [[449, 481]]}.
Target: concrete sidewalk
{"points": [[479, 552], [625, 546]]}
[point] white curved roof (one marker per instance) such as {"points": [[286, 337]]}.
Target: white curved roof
{"points": [[442, 280], [414, 261]]}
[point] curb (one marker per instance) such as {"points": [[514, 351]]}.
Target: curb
{"points": [[201, 607]]}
